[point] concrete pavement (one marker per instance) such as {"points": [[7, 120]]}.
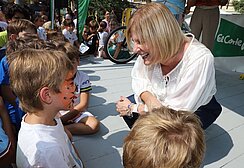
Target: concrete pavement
{"points": [[225, 138]]}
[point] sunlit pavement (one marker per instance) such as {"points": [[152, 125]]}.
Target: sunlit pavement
{"points": [[225, 138]]}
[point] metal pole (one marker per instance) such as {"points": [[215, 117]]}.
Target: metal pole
{"points": [[52, 6]]}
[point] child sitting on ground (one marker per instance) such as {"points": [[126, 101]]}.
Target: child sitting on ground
{"points": [[69, 34], [91, 38], [43, 82], [165, 138], [78, 120], [102, 38]]}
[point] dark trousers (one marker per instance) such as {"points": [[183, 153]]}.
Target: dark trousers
{"points": [[207, 113]]}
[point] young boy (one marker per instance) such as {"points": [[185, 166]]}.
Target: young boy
{"points": [[15, 29], [165, 138], [78, 120], [43, 82], [69, 34]]}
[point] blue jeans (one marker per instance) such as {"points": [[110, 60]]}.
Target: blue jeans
{"points": [[207, 113]]}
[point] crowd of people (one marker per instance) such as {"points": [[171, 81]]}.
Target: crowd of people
{"points": [[44, 96], [19, 115]]}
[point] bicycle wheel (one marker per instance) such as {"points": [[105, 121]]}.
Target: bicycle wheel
{"points": [[116, 47]]}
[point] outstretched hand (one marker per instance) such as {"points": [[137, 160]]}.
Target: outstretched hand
{"points": [[122, 105]]}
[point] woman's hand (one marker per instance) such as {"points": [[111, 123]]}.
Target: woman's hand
{"points": [[122, 106], [150, 100]]}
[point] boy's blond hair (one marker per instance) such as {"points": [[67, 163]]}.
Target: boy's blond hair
{"points": [[21, 25], [33, 69], [155, 25], [72, 52], [165, 138]]}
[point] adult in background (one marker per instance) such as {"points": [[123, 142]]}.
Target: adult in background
{"points": [[205, 19], [107, 20], [176, 7], [172, 69]]}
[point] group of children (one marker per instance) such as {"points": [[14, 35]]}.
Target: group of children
{"points": [[45, 97], [32, 101], [93, 37], [76, 119]]}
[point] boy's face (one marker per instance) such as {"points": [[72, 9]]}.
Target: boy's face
{"points": [[67, 90], [70, 28], [39, 22]]}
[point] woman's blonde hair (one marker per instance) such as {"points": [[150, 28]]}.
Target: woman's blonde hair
{"points": [[165, 138], [32, 69], [155, 26]]}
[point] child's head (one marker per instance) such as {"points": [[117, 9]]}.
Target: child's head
{"points": [[102, 26], [45, 18], [68, 17], [113, 24], [37, 75], [165, 138], [38, 20], [69, 26], [86, 29], [73, 53], [20, 27], [15, 11], [93, 26], [28, 41], [55, 35]]}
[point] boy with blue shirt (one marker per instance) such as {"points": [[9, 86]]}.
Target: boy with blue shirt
{"points": [[15, 29]]}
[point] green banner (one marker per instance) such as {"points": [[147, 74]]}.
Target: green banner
{"points": [[82, 14], [229, 40]]}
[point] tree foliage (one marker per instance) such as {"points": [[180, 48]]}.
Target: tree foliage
{"points": [[97, 8], [238, 5]]}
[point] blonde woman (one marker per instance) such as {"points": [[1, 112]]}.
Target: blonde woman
{"points": [[173, 69], [174, 139]]}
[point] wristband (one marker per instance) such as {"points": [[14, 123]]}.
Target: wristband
{"points": [[129, 106], [129, 111]]}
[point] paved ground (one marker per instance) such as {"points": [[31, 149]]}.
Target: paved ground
{"points": [[225, 138]]}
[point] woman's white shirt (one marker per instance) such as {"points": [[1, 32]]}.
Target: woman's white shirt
{"points": [[188, 86]]}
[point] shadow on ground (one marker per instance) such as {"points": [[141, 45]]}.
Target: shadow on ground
{"points": [[217, 147]]}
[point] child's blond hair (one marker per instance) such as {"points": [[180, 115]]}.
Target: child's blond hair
{"points": [[33, 69], [165, 138]]}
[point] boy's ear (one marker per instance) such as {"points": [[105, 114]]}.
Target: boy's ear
{"points": [[45, 95], [13, 37]]}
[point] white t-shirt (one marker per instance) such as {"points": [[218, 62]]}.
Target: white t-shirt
{"points": [[42, 33], [82, 83], [102, 38], [45, 146], [71, 36], [188, 86]]}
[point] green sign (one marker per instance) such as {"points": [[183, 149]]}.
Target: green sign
{"points": [[229, 40], [82, 14]]}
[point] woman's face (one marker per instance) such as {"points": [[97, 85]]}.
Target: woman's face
{"points": [[142, 49]]}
